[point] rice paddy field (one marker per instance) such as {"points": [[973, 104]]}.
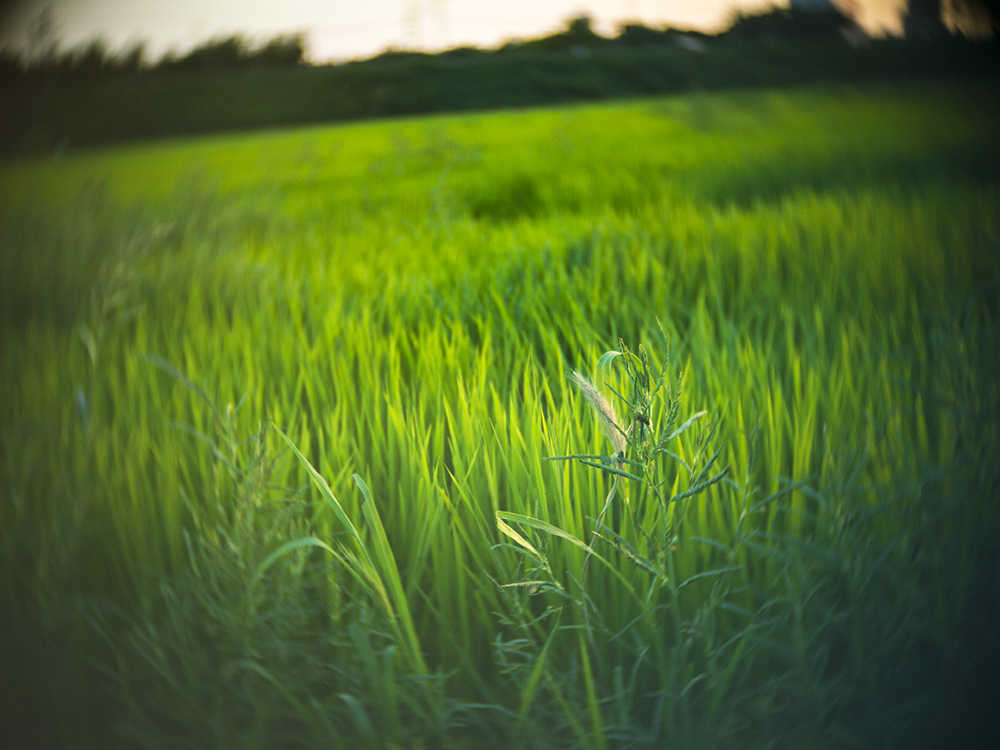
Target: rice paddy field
{"points": [[311, 438]]}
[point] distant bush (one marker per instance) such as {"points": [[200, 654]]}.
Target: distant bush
{"points": [[788, 24], [393, 55], [289, 49], [638, 35], [95, 58], [92, 58], [462, 52], [577, 34], [228, 52], [236, 51]]}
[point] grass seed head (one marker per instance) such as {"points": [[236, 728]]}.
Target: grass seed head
{"points": [[605, 412]]}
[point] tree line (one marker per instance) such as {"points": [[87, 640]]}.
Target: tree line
{"points": [[221, 53], [923, 20]]}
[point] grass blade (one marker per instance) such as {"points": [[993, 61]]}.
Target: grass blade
{"points": [[308, 541], [390, 572]]}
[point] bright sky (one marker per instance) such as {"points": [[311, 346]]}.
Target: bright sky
{"points": [[343, 29]]}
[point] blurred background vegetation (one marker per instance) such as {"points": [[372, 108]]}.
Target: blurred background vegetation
{"points": [[92, 95]]}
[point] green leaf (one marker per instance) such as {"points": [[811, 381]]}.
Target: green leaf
{"points": [[699, 488], [367, 654], [604, 367], [568, 712], [607, 504], [307, 541], [184, 380], [631, 554], [709, 573], [555, 531], [721, 685], [605, 460], [712, 542], [361, 721], [541, 526], [612, 470], [390, 573], [682, 429], [711, 462], [517, 537], [675, 457], [89, 342], [593, 704], [327, 495], [525, 584], [533, 679]]}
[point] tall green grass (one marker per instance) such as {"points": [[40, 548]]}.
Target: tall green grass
{"points": [[266, 398]]}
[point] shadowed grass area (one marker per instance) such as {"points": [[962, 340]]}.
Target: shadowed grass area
{"points": [[406, 302]]}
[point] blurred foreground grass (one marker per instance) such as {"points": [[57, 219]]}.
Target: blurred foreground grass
{"points": [[405, 301]]}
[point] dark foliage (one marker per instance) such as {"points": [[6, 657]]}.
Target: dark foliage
{"points": [[92, 95], [786, 24], [638, 35], [983, 13], [44, 111], [923, 22], [95, 59], [235, 51], [578, 34]]}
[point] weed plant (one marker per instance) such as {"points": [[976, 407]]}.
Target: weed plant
{"points": [[408, 529]]}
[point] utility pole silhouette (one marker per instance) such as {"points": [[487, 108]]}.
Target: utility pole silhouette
{"points": [[442, 23], [413, 25]]}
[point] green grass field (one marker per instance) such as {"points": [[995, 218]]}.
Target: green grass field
{"points": [[202, 342]]}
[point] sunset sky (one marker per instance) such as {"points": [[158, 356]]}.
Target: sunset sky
{"points": [[344, 29]]}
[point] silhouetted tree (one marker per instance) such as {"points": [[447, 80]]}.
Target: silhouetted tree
{"points": [[977, 17], [637, 35], [824, 21], [922, 21], [91, 59], [286, 49], [580, 28], [219, 53], [578, 34], [236, 52], [42, 38], [132, 60], [993, 9]]}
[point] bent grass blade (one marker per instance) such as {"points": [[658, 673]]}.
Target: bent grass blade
{"points": [[385, 574], [555, 531]]}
